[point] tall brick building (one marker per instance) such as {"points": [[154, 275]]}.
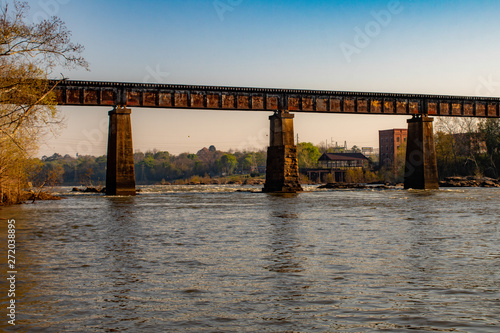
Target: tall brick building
{"points": [[389, 143]]}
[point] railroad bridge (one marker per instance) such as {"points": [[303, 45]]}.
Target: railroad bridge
{"points": [[282, 169]]}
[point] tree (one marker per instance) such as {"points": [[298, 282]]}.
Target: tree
{"points": [[28, 55], [355, 149], [43, 174], [489, 130], [227, 163], [247, 162], [458, 147], [307, 155]]}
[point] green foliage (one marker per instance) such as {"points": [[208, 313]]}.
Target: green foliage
{"points": [[355, 149], [227, 164], [360, 176], [458, 154], [246, 162], [308, 155], [151, 167]]}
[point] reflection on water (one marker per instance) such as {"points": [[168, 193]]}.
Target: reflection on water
{"points": [[216, 260]]}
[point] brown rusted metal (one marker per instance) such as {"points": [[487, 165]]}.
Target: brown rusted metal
{"points": [[93, 93]]}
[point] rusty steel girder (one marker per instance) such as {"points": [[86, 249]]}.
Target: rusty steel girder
{"points": [[172, 96]]}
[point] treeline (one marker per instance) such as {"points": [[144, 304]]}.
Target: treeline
{"points": [[155, 167], [468, 147], [464, 147], [152, 167]]}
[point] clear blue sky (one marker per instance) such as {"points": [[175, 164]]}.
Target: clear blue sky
{"points": [[448, 47]]}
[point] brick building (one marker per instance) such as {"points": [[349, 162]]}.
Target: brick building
{"points": [[389, 142]]}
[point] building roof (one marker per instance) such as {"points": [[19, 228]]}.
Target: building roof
{"points": [[393, 130], [343, 157]]}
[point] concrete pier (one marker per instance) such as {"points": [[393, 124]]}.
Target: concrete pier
{"points": [[421, 164], [120, 173], [282, 173]]}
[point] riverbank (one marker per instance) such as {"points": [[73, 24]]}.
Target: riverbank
{"points": [[30, 196]]}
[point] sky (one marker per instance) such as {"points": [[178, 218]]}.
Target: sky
{"points": [[445, 47]]}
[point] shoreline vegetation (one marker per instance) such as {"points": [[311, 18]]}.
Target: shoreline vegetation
{"points": [[29, 54], [210, 166], [463, 160], [87, 173]]}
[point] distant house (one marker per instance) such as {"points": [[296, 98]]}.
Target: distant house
{"points": [[336, 164], [343, 160]]}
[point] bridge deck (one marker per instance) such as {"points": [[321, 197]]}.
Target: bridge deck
{"points": [[91, 93]]}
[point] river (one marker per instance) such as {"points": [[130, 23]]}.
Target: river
{"points": [[218, 259]]}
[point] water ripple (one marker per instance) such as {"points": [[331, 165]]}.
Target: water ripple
{"points": [[213, 259]]}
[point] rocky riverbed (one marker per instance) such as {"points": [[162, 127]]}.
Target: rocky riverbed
{"points": [[469, 182], [447, 182], [343, 186]]}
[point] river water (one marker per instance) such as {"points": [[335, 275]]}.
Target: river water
{"points": [[213, 259]]}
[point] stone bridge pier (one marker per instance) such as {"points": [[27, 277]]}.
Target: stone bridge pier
{"points": [[120, 173], [421, 163], [282, 173]]}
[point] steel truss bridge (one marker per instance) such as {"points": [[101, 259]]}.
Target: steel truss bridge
{"points": [[282, 173], [172, 96]]}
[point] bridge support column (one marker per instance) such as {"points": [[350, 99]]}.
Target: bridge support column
{"points": [[282, 173], [120, 174], [421, 164]]}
